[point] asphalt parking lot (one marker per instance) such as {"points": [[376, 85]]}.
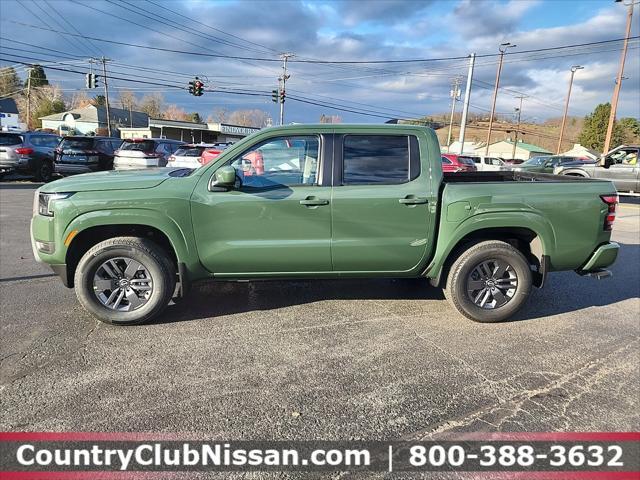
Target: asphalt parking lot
{"points": [[381, 359]]}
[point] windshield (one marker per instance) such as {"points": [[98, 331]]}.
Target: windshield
{"points": [[10, 139], [142, 146], [77, 143], [536, 161], [189, 152]]}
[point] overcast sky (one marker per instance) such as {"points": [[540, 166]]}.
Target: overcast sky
{"points": [[337, 31]]}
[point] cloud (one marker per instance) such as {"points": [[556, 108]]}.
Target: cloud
{"points": [[341, 30]]}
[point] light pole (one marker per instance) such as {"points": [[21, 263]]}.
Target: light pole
{"points": [[616, 89], [574, 69], [519, 112], [502, 48], [455, 96]]}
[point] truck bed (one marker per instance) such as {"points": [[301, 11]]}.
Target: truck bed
{"points": [[509, 176]]}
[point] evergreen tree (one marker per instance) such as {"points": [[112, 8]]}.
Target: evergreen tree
{"points": [[195, 117], [9, 82], [38, 77], [99, 101], [594, 130]]}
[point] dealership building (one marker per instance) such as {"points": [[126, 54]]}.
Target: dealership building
{"points": [[188, 131]]}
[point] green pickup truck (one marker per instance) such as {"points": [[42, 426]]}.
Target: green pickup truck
{"points": [[320, 201]]}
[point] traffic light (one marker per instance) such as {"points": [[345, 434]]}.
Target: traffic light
{"points": [[91, 80], [198, 88], [282, 96], [274, 96]]}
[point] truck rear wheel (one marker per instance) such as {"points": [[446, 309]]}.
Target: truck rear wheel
{"points": [[125, 280], [489, 282]]}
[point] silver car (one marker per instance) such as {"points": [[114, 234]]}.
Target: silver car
{"points": [[28, 152]]}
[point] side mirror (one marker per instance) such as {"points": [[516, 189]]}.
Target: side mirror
{"points": [[224, 177], [606, 162]]}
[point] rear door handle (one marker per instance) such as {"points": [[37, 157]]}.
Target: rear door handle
{"points": [[412, 200], [314, 202]]}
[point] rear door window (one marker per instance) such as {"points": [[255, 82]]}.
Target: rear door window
{"points": [[8, 139], [379, 159]]}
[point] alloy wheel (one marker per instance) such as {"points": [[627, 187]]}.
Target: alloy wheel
{"points": [[492, 284], [122, 284]]}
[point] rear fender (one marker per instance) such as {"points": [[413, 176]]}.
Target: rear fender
{"points": [[449, 240]]}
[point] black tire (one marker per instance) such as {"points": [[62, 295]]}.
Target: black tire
{"points": [[464, 274], [43, 171], [157, 265]]}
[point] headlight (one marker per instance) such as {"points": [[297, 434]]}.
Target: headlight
{"points": [[45, 199]]}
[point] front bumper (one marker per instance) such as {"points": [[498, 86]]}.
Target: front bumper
{"points": [[602, 257]]}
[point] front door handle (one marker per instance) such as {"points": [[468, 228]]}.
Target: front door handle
{"points": [[413, 200], [314, 202]]}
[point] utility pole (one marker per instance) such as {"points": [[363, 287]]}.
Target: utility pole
{"points": [[465, 105], [282, 83], [502, 48], [106, 91], [616, 89], [455, 96], [519, 112], [574, 69], [29, 100]]}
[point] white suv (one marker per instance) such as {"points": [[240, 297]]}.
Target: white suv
{"points": [[136, 153]]}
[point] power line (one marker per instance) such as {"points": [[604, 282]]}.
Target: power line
{"points": [[322, 62]]}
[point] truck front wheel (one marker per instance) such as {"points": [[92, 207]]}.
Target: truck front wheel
{"points": [[125, 280], [489, 282]]}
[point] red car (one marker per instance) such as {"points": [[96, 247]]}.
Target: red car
{"points": [[457, 163]]}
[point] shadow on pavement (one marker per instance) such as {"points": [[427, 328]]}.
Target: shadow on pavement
{"points": [[564, 292], [567, 292], [213, 299]]}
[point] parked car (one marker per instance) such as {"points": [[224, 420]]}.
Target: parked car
{"points": [[135, 153], [195, 155], [459, 163], [28, 152], [620, 166], [80, 154], [546, 163], [489, 164], [382, 207]]}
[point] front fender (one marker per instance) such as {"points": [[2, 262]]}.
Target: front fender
{"points": [[451, 234], [181, 238]]}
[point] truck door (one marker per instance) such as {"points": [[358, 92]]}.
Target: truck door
{"points": [[277, 220], [623, 169], [381, 217]]}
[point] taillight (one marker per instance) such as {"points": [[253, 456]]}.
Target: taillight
{"points": [[24, 151], [611, 201]]}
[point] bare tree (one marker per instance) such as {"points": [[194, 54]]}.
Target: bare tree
{"points": [[173, 112], [127, 99], [219, 115], [249, 118], [152, 104], [79, 99]]}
